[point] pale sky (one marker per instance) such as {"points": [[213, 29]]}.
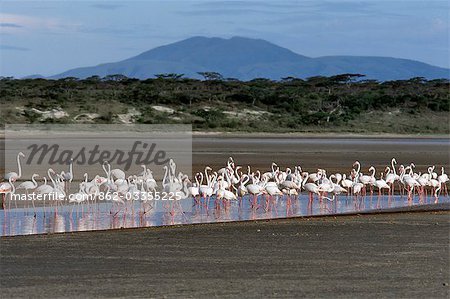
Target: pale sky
{"points": [[49, 37]]}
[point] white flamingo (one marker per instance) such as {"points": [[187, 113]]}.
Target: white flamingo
{"points": [[381, 184], [7, 188], [29, 185], [443, 179], [15, 176]]}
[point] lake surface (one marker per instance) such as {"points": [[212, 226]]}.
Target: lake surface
{"points": [[107, 215]]}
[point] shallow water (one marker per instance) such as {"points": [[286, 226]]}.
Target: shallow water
{"points": [[107, 215]]}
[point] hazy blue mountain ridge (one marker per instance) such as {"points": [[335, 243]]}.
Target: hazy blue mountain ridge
{"points": [[246, 59]]}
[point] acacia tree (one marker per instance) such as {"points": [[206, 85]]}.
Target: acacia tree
{"points": [[173, 76], [209, 76]]}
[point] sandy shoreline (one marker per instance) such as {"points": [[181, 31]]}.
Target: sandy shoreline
{"points": [[314, 135], [199, 134], [375, 255]]}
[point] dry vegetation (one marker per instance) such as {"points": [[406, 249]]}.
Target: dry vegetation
{"points": [[318, 104]]}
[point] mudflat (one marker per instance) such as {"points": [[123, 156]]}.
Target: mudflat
{"points": [[312, 152], [401, 255]]}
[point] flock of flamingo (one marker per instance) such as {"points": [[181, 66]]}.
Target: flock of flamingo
{"points": [[228, 184]]}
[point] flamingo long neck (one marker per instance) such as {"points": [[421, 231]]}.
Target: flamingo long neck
{"points": [[51, 178], [437, 190], [201, 177], [373, 172], [19, 166], [173, 168], [393, 166], [245, 181], [166, 171], [104, 169], [33, 180], [236, 172], [71, 168], [258, 173], [402, 173], [388, 171], [252, 177], [278, 178], [331, 180], [359, 168], [213, 179], [13, 188], [208, 179]]}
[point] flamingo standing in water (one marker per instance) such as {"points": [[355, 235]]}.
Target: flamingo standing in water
{"points": [[443, 179], [57, 192], [312, 189], [7, 188], [434, 184], [44, 189], [113, 173], [290, 184], [336, 189], [409, 181], [206, 191], [346, 183], [242, 189], [29, 185], [357, 186], [224, 194], [367, 179], [255, 190], [68, 176], [381, 184], [273, 190], [392, 177], [14, 175], [194, 189]]}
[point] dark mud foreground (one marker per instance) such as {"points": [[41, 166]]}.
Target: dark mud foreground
{"points": [[402, 255]]}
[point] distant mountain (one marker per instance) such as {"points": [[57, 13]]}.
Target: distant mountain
{"points": [[246, 59]]}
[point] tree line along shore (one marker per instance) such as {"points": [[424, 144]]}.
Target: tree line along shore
{"points": [[346, 103]]}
